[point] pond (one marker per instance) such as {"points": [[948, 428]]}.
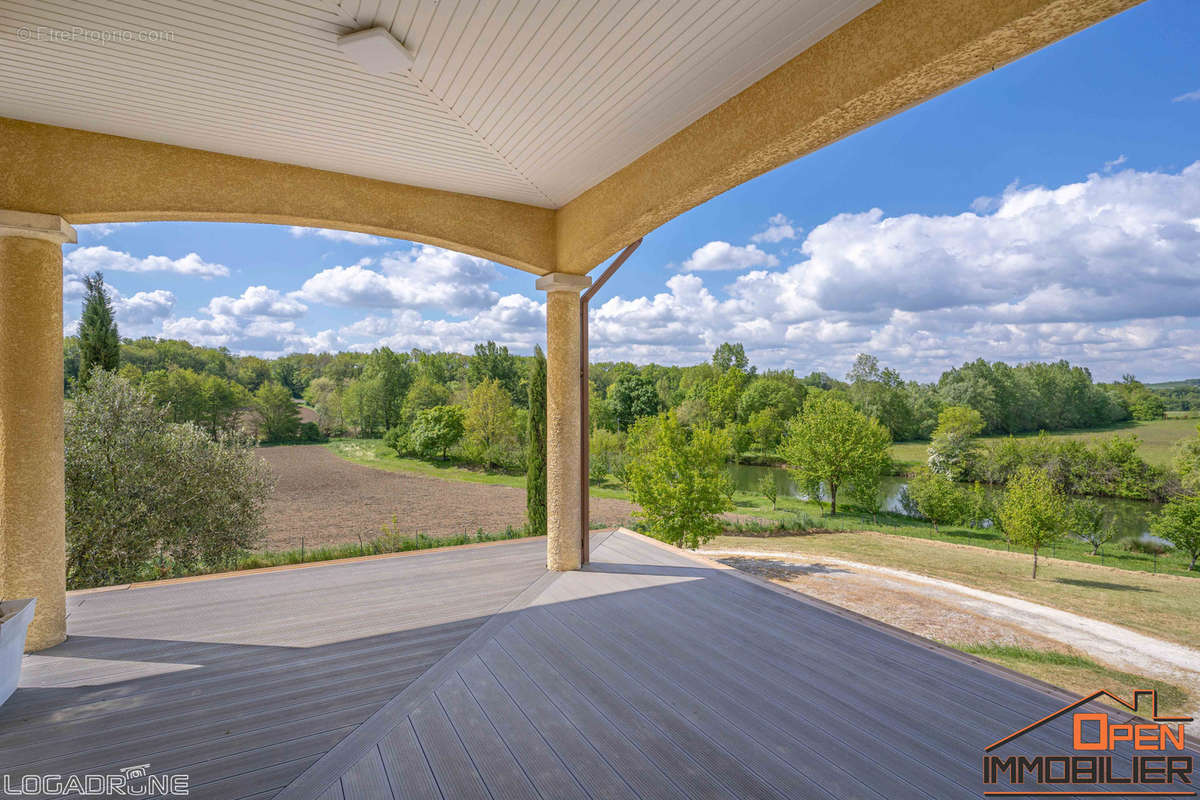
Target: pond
{"points": [[1130, 517]]}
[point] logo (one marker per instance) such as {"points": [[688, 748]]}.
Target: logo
{"points": [[1101, 757], [134, 781]]}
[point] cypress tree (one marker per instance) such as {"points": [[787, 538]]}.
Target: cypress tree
{"points": [[535, 478], [98, 342]]}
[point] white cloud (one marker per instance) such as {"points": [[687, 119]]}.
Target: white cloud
{"points": [[334, 235], [1187, 97], [1104, 272], [1109, 166], [257, 301], [725, 256], [143, 307], [424, 276], [779, 228], [82, 260], [100, 230], [259, 335], [515, 321]]}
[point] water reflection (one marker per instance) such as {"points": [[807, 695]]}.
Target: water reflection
{"points": [[1130, 517]]}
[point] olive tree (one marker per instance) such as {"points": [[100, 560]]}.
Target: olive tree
{"points": [[146, 497]]}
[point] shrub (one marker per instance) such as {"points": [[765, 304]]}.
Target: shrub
{"points": [[310, 432], [146, 497], [939, 499]]}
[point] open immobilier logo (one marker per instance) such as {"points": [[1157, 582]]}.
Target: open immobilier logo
{"points": [[1106, 758]]}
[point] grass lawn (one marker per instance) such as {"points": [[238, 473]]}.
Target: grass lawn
{"points": [[1157, 440], [1165, 606], [790, 512], [1081, 675], [374, 453]]}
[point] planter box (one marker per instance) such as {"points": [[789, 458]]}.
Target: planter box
{"points": [[16, 616]]}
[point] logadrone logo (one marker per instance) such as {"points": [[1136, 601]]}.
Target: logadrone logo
{"points": [[135, 781], [1160, 757]]}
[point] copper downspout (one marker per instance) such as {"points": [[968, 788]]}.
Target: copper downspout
{"points": [[585, 391]]}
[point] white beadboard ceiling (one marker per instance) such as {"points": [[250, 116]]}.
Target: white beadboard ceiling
{"points": [[525, 100]]}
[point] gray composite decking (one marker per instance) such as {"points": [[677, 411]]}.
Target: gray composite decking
{"points": [[244, 682], [649, 674]]}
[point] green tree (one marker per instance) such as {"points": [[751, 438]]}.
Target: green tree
{"points": [[606, 453], [99, 345], [1034, 512], [632, 396], [360, 405], [391, 375], [678, 478], [769, 489], [832, 443], [324, 396], [495, 362], [866, 490], [278, 415], [765, 429], [779, 393], [146, 497], [535, 442], [731, 356], [491, 424], [1187, 461], [425, 393], [938, 498], [954, 450], [881, 393], [436, 430], [1089, 521], [724, 394], [212, 402], [1179, 524]]}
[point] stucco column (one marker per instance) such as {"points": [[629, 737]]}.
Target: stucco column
{"points": [[32, 501], [564, 472]]}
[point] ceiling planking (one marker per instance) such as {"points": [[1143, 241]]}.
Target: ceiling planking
{"points": [[532, 101]]}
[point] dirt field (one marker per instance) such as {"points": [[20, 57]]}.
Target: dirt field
{"points": [[325, 500]]}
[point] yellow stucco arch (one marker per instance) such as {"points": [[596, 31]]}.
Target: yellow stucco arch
{"points": [[90, 177]]}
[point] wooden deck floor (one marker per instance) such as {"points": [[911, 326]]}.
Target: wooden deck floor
{"points": [[244, 682], [647, 675]]}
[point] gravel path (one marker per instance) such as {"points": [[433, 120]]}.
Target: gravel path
{"points": [[1107, 643], [325, 500]]}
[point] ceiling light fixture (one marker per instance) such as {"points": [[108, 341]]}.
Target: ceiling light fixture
{"points": [[376, 51]]}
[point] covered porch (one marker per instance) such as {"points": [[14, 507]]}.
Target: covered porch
{"points": [[543, 137], [475, 672], [548, 137]]}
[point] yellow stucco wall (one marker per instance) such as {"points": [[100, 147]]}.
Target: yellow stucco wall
{"points": [[90, 177], [32, 500]]}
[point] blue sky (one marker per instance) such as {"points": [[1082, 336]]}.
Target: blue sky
{"points": [[1047, 210]]}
